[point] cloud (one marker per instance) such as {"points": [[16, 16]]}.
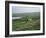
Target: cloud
{"points": [[18, 9]]}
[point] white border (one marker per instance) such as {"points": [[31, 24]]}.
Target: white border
{"points": [[25, 32]]}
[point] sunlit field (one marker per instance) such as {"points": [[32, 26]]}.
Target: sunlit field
{"points": [[27, 22]]}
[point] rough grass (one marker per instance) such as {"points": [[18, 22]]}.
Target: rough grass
{"points": [[22, 25]]}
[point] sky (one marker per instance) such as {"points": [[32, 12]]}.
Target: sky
{"points": [[18, 9]]}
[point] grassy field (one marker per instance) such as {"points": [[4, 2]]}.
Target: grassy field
{"points": [[26, 23]]}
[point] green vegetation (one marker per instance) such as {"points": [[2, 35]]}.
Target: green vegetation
{"points": [[26, 23]]}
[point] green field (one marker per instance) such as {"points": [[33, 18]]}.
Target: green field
{"points": [[26, 23]]}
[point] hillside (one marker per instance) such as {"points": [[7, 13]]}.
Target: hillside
{"points": [[26, 14]]}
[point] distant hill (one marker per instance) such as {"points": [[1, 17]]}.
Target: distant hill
{"points": [[26, 14]]}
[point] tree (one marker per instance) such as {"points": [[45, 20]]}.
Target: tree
{"points": [[26, 18]]}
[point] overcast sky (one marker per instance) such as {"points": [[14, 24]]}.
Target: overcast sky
{"points": [[18, 9]]}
